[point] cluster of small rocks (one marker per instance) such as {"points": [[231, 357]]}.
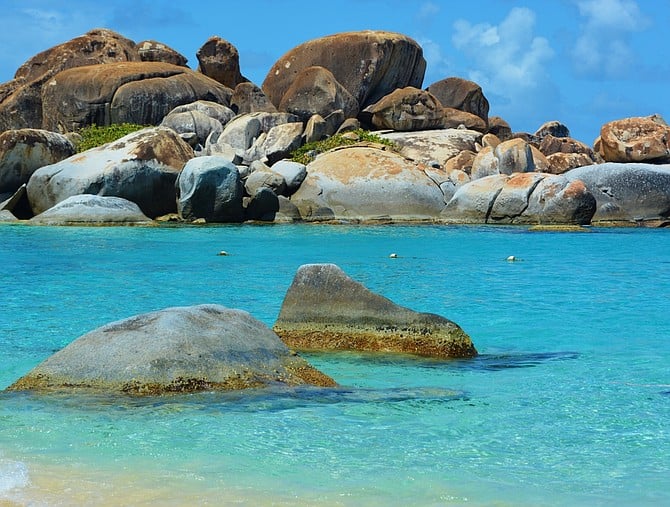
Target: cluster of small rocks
{"points": [[219, 147]]}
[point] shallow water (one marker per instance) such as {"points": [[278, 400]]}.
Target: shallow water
{"points": [[568, 403]]}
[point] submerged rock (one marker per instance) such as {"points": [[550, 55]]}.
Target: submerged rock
{"points": [[181, 349], [324, 309]]}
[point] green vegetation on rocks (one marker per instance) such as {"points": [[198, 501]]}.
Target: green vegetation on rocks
{"points": [[308, 152], [93, 135]]}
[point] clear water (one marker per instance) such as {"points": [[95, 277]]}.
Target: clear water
{"points": [[568, 403]]}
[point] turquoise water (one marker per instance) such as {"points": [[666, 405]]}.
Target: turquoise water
{"points": [[568, 403]]}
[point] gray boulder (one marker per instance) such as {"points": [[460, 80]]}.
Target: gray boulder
{"points": [[209, 187], [265, 178], [181, 349], [141, 167], [7, 216], [25, 150], [522, 198], [294, 173], [195, 122], [366, 183], [627, 192], [262, 206], [324, 309], [223, 114], [92, 210], [278, 144], [428, 145]]}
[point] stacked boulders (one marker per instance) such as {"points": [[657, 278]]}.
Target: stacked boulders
{"points": [[448, 154]]}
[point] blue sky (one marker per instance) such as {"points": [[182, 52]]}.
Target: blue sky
{"points": [[582, 62]]}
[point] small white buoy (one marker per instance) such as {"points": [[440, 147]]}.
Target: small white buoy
{"points": [[511, 258], [222, 252], [393, 256]]}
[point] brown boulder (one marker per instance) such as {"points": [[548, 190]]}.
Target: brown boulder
{"points": [[551, 128], [462, 162], [407, 109], [21, 106], [455, 118], [638, 139], [500, 128], [220, 60], [316, 91], [461, 94], [154, 51], [133, 92], [562, 162], [249, 98], [369, 64]]}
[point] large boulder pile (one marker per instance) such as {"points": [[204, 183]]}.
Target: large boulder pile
{"points": [[324, 309], [450, 160], [181, 349]]}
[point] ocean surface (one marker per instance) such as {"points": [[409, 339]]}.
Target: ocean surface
{"points": [[568, 403]]}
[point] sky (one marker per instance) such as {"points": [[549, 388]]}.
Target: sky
{"points": [[580, 62]]}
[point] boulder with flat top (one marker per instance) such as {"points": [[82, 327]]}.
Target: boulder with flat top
{"points": [[324, 309]]}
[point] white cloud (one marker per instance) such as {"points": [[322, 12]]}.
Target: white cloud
{"points": [[507, 59], [428, 11], [603, 48], [438, 66]]}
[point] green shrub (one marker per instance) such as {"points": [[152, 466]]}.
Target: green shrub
{"points": [[308, 152], [93, 135]]}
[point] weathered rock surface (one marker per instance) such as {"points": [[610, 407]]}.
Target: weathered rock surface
{"points": [[428, 145], [636, 140], [141, 167], [551, 128], [406, 109], [508, 157], [455, 118], [25, 150], [627, 192], [522, 198], [195, 123], [324, 309], [210, 188], [367, 183], [369, 64], [500, 128], [220, 60], [249, 98], [92, 210], [461, 94], [316, 91], [294, 173], [154, 51], [7, 216], [134, 92], [21, 99], [181, 349]]}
